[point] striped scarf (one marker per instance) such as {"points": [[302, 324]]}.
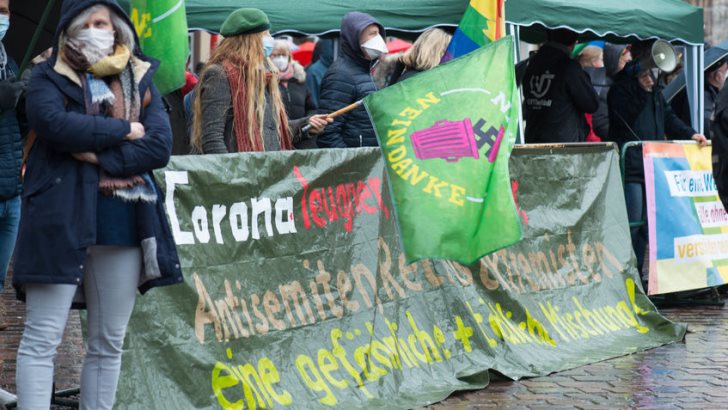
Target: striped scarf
{"points": [[240, 108], [113, 93]]}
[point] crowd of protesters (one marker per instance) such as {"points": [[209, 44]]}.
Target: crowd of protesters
{"points": [[605, 92], [100, 128]]}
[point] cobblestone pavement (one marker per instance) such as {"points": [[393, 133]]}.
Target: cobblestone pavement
{"points": [[689, 375]]}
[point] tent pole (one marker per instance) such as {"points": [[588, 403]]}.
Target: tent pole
{"points": [[515, 31], [36, 36], [701, 90], [693, 62]]}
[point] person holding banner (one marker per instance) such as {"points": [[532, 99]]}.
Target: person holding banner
{"points": [[639, 112], [238, 105], [714, 82], [93, 229]]}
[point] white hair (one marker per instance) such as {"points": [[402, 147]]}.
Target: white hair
{"points": [[124, 33], [283, 44]]}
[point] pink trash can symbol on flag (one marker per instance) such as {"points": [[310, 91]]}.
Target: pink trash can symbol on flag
{"points": [[449, 140]]}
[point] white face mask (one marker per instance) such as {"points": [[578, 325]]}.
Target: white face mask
{"points": [[102, 41], [4, 25], [375, 47], [280, 62]]}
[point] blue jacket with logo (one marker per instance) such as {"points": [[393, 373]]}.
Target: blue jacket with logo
{"points": [[556, 95]]}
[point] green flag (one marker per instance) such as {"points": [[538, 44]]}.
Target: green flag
{"points": [[162, 29], [446, 135]]}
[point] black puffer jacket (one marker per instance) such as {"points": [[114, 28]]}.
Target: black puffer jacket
{"points": [[346, 81], [11, 149], [557, 93], [636, 115]]}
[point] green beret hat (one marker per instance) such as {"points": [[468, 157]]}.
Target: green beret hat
{"points": [[244, 21]]}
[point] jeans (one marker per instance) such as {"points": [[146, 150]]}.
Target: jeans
{"points": [[9, 220], [111, 276], [634, 195]]}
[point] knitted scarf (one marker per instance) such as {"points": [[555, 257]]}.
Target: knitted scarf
{"points": [[111, 90], [240, 108]]}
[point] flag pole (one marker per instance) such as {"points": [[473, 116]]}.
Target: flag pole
{"points": [[36, 36], [336, 113]]}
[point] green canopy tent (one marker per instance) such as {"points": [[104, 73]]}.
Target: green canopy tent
{"points": [[323, 17], [620, 21], [614, 20]]}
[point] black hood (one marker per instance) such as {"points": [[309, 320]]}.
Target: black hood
{"points": [[549, 54], [72, 8], [612, 52], [352, 26]]}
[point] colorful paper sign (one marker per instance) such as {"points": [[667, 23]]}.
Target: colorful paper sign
{"points": [[688, 226]]}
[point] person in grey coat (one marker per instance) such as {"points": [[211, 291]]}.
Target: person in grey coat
{"points": [[238, 105]]}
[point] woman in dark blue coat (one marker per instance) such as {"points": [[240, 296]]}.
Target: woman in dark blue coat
{"points": [[93, 229]]}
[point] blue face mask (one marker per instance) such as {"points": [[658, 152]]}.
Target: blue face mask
{"points": [[268, 44], [4, 25]]}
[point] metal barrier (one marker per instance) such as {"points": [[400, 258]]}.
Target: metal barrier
{"points": [[623, 154]]}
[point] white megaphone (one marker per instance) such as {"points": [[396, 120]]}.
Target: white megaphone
{"points": [[662, 56]]}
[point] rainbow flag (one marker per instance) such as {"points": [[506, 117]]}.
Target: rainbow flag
{"points": [[482, 23]]}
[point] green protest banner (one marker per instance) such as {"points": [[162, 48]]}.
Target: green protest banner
{"points": [[161, 26], [297, 294], [446, 135]]}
